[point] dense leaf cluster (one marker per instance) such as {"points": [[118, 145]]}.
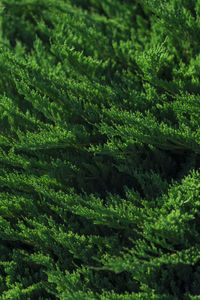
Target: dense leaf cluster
{"points": [[99, 149]]}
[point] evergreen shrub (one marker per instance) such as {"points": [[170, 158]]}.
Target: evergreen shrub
{"points": [[99, 149]]}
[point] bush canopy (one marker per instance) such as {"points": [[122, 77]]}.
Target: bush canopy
{"points": [[100, 149]]}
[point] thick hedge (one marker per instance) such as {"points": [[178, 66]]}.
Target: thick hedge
{"points": [[99, 149]]}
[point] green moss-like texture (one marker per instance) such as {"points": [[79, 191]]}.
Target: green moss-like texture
{"points": [[99, 149]]}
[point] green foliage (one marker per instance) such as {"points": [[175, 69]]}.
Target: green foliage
{"points": [[99, 149]]}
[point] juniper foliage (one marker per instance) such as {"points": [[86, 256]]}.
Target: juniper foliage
{"points": [[99, 149]]}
